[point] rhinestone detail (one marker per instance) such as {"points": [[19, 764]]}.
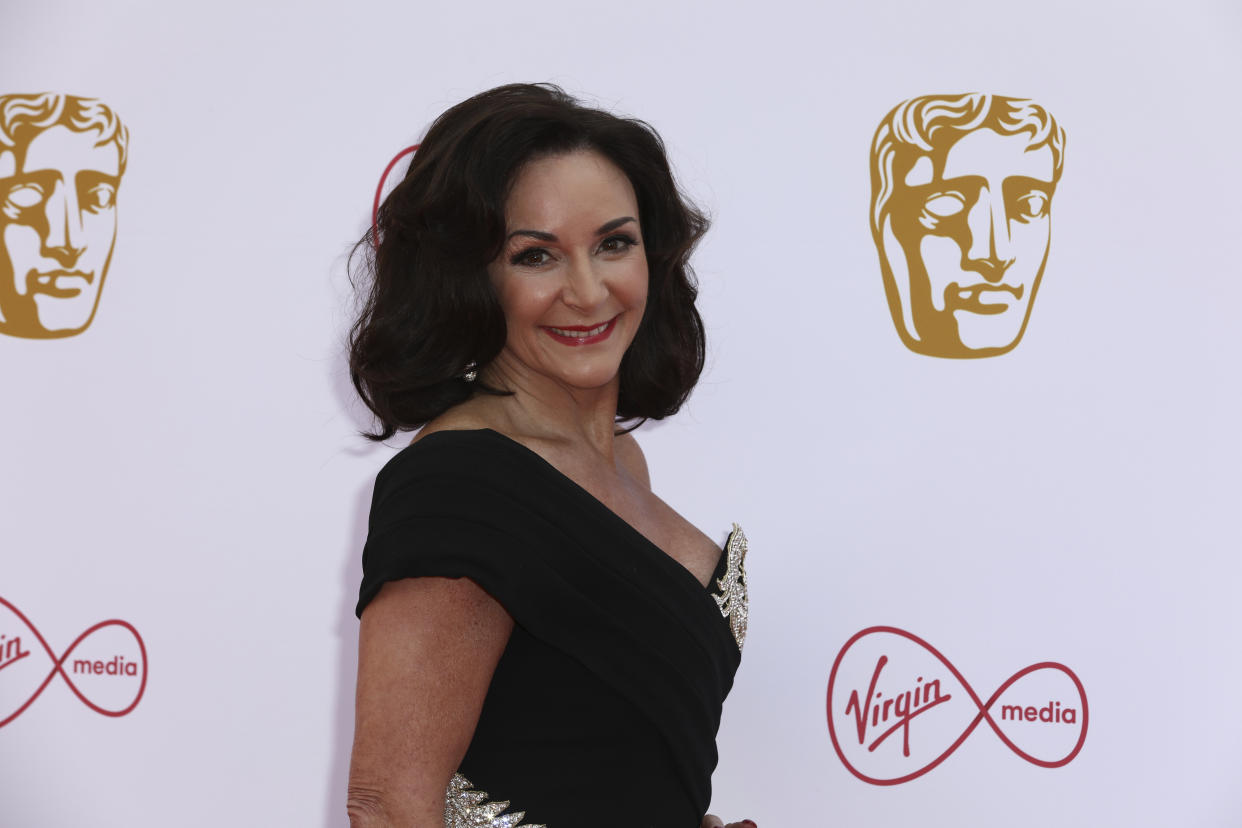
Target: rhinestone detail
{"points": [[732, 598], [464, 807]]}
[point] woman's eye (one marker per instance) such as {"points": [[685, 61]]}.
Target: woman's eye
{"points": [[531, 257], [617, 244], [944, 205], [25, 196]]}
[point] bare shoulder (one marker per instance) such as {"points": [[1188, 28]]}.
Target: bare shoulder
{"points": [[459, 418], [630, 457]]}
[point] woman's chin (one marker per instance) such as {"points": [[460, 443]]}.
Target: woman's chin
{"points": [[592, 378]]}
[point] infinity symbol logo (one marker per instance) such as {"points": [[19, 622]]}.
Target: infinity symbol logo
{"points": [[14, 651], [379, 192], [895, 702]]}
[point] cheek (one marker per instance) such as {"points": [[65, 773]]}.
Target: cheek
{"points": [[641, 286], [524, 301], [634, 283]]}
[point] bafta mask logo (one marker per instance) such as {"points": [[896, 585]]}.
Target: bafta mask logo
{"points": [[961, 201], [61, 162]]}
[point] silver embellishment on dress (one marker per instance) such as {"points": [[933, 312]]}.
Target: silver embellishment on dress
{"points": [[465, 807], [732, 598]]}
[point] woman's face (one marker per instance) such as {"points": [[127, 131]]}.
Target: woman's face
{"points": [[572, 275]]}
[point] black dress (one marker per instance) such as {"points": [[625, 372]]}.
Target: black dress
{"points": [[604, 707]]}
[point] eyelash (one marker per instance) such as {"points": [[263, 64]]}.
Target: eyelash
{"points": [[626, 239], [519, 258]]}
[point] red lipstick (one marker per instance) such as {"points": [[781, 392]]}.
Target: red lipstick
{"points": [[576, 335]]}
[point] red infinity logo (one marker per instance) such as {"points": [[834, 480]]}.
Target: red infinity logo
{"points": [[14, 651], [379, 192], [893, 699]]}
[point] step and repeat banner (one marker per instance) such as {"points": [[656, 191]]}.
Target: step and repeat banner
{"points": [[972, 295]]}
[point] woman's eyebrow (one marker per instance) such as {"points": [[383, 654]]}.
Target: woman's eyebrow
{"points": [[614, 224], [534, 234], [542, 235]]}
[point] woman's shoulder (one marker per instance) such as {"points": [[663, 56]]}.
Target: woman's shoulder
{"points": [[475, 451], [444, 450], [460, 420], [475, 475]]}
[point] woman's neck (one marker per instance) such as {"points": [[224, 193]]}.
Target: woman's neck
{"points": [[541, 408]]}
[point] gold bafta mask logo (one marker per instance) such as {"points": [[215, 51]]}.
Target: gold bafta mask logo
{"points": [[61, 162], [961, 200]]}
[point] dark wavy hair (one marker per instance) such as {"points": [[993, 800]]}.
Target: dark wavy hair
{"points": [[428, 305]]}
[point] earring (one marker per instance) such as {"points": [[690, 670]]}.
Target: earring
{"points": [[471, 373]]}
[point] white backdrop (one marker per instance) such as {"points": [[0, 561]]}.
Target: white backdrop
{"points": [[190, 464]]}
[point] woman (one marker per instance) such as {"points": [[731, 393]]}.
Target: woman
{"points": [[543, 640]]}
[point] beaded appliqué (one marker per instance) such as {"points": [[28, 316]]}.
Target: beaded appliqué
{"points": [[732, 598], [465, 807]]}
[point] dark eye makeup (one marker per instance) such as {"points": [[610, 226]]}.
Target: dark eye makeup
{"points": [[539, 256], [617, 243], [530, 257]]}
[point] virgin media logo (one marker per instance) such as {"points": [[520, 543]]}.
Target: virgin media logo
{"points": [[898, 708], [105, 666]]}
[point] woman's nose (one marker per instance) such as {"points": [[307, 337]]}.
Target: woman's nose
{"points": [[584, 284]]}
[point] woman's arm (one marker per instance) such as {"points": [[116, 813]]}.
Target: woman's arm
{"points": [[427, 648]]}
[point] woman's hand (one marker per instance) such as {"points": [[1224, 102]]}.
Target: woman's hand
{"points": [[713, 821]]}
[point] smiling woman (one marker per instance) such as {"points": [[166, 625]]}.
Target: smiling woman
{"points": [[544, 641], [573, 293], [431, 308]]}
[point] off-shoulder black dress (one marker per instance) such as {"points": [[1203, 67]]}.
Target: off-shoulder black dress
{"points": [[604, 707]]}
